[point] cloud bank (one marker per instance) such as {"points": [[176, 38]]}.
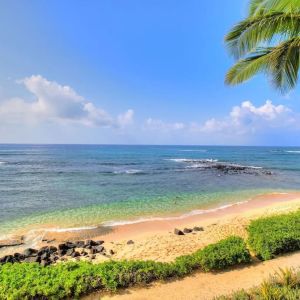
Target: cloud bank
{"points": [[57, 103], [243, 119], [56, 113]]}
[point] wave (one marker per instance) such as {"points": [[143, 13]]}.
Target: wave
{"points": [[71, 229], [293, 151], [213, 164], [130, 171], [183, 216], [2, 162], [191, 160]]}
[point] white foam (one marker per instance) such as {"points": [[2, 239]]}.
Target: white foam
{"points": [[293, 151], [130, 171], [191, 213], [191, 160], [71, 229], [2, 162]]}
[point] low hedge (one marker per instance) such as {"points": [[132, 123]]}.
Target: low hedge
{"points": [[72, 279], [274, 235], [228, 252]]}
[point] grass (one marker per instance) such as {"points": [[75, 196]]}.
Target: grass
{"points": [[32, 281], [275, 235], [284, 285]]}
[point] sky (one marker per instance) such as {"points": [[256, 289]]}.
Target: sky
{"points": [[132, 72]]}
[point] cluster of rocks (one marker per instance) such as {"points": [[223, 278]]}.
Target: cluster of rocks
{"points": [[187, 230], [50, 254]]}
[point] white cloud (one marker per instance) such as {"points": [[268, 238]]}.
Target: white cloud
{"points": [[57, 103], [243, 119], [247, 118], [155, 124]]}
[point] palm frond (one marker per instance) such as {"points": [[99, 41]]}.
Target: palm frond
{"points": [[246, 68], [248, 34], [281, 63], [285, 61], [259, 7]]}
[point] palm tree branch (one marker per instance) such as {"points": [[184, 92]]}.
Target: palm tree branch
{"points": [[248, 34]]}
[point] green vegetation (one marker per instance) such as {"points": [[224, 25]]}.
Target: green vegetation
{"points": [[267, 41], [284, 285], [32, 281], [267, 238], [275, 235], [229, 252]]}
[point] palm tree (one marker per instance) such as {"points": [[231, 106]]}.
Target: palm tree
{"points": [[267, 41]]}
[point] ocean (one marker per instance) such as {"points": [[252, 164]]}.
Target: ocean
{"points": [[88, 185]]}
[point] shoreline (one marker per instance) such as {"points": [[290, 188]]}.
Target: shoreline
{"points": [[155, 239]]}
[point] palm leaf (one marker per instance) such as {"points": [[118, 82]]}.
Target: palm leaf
{"points": [[248, 34], [246, 68], [285, 60], [259, 7]]}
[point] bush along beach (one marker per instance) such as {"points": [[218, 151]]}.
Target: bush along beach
{"points": [[72, 279], [275, 235]]}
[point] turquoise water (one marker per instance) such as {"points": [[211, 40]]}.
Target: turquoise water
{"points": [[79, 185]]}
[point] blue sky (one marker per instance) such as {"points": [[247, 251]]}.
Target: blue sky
{"points": [[133, 72]]}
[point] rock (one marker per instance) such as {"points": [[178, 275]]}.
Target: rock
{"points": [[53, 258], [52, 249], [79, 244], [197, 228], [62, 247], [91, 243], [18, 256], [32, 259], [187, 230], [178, 232], [61, 252], [93, 256], [50, 241], [130, 242], [75, 254], [45, 263], [98, 248], [83, 253], [9, 259], [70, 252], [70, 245], [99, 242], [111, 252], [30, 252], [93, 251], [45, 256]]}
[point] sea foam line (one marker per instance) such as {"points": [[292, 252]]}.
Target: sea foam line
{"points": [[183, 216]]}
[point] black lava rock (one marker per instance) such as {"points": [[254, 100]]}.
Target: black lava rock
{"points": [[197, 228], [178, 232]]}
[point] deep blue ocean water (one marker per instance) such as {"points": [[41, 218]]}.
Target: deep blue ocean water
{"points": [[76, 185]]}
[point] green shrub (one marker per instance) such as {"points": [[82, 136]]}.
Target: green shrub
{"points": [[72, 279], [228, 252], [275, 235]]}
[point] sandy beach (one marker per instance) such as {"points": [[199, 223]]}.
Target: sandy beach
{"points": [[156, 239]]}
